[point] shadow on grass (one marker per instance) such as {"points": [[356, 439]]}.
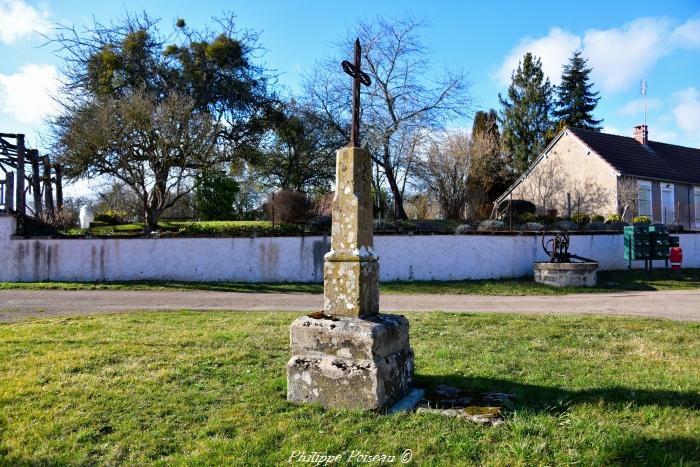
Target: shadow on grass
{"points": [[553, 399], [642, 450], [632, 449]]}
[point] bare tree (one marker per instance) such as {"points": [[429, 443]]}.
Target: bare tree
{"points": [[445, 172], [154, 148], [628, 197], [403, 101]]}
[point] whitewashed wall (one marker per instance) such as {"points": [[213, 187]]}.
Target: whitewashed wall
{"points": [[291, 259]]}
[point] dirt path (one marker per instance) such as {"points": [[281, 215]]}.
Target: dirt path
{"points": [[16, 305]]}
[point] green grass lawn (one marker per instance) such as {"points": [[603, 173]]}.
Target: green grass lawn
{"points": [[209, 389], [608, 281]]}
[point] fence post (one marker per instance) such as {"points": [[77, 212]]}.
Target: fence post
{"points": [[48, 191], [10, 192], [58, 170], [36, 182]]}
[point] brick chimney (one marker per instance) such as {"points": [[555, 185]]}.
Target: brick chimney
{"points": [[641, 134]]}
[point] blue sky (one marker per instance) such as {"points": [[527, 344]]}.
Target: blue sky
{"points": [[624, 41]]}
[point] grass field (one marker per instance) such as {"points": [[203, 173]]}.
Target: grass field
{"points": [[608, 281], [209, 389]]}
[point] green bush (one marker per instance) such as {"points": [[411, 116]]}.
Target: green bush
{"points": [[214, 195], [580, 218], [597, 218], [111, 217], [238, 229], [613, 218], [641, 220]]}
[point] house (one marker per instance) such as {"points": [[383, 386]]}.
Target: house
{"points": [[597, 173]]}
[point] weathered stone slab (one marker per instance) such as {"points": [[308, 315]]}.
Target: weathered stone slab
{"points": [[361, 339], [350, 362]]}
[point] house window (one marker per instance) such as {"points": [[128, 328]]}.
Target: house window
{"points": [[644, 198], [697, 206]]}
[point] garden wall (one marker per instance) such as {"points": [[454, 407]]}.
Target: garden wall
{"points": [[292, 259]]}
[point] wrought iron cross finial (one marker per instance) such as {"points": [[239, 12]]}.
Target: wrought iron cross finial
{"points": [[359, 77]]}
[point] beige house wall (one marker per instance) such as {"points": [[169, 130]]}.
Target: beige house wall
{"points": [[570, 167]]}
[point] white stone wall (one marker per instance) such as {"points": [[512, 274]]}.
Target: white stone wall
{"points": [[292, 259]]}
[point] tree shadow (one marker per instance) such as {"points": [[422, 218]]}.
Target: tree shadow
{"points": [[628, 447], [550, 399], [643, 450]]}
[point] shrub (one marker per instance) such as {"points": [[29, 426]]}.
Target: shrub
{"points": [[526, 217], [581, 218], [320, 224], [111, 217], [597, 218], [381, 225], [238, 229], [641, 220], [463, 229], [289, 206], [214, 195], [613, 218], [427, 226]]}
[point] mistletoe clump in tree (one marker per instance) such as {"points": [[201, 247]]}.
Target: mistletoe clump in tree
{"points": [[152, 113]]}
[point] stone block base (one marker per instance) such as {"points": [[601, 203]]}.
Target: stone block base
{"points": [[566, 274], [350, 363]]}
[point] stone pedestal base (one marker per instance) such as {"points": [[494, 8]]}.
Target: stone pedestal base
{"points": [[350, 363], [566, 274]]}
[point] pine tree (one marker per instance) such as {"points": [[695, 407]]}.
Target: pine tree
{"points": [[525, 116], [575, 99]]}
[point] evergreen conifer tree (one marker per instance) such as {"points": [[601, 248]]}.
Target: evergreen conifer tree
{"points": [[575, 99], [525, 116]]}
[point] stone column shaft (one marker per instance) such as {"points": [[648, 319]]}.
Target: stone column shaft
{"points": [[351, 270]]}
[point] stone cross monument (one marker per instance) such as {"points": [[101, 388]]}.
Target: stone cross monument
{"points": [[350, 355]]}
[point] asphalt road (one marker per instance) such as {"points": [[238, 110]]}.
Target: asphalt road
{"points": [[17, 305]]}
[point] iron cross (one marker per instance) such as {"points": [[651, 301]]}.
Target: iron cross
{"points": [[358, 76]]}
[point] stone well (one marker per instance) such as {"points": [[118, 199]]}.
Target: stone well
{"points": [[566, 274]]}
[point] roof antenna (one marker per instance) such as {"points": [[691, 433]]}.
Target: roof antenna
{"points": [[643, 91]]}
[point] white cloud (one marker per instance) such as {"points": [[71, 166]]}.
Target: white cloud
{"points": [[553, 49], [687, 111], [635, 108], [657, 133], [18, 20], [614, 131], [26, 95], [687, 35], [620, 56]]}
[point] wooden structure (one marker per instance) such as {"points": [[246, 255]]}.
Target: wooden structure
{"points": [[24, 171]]}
